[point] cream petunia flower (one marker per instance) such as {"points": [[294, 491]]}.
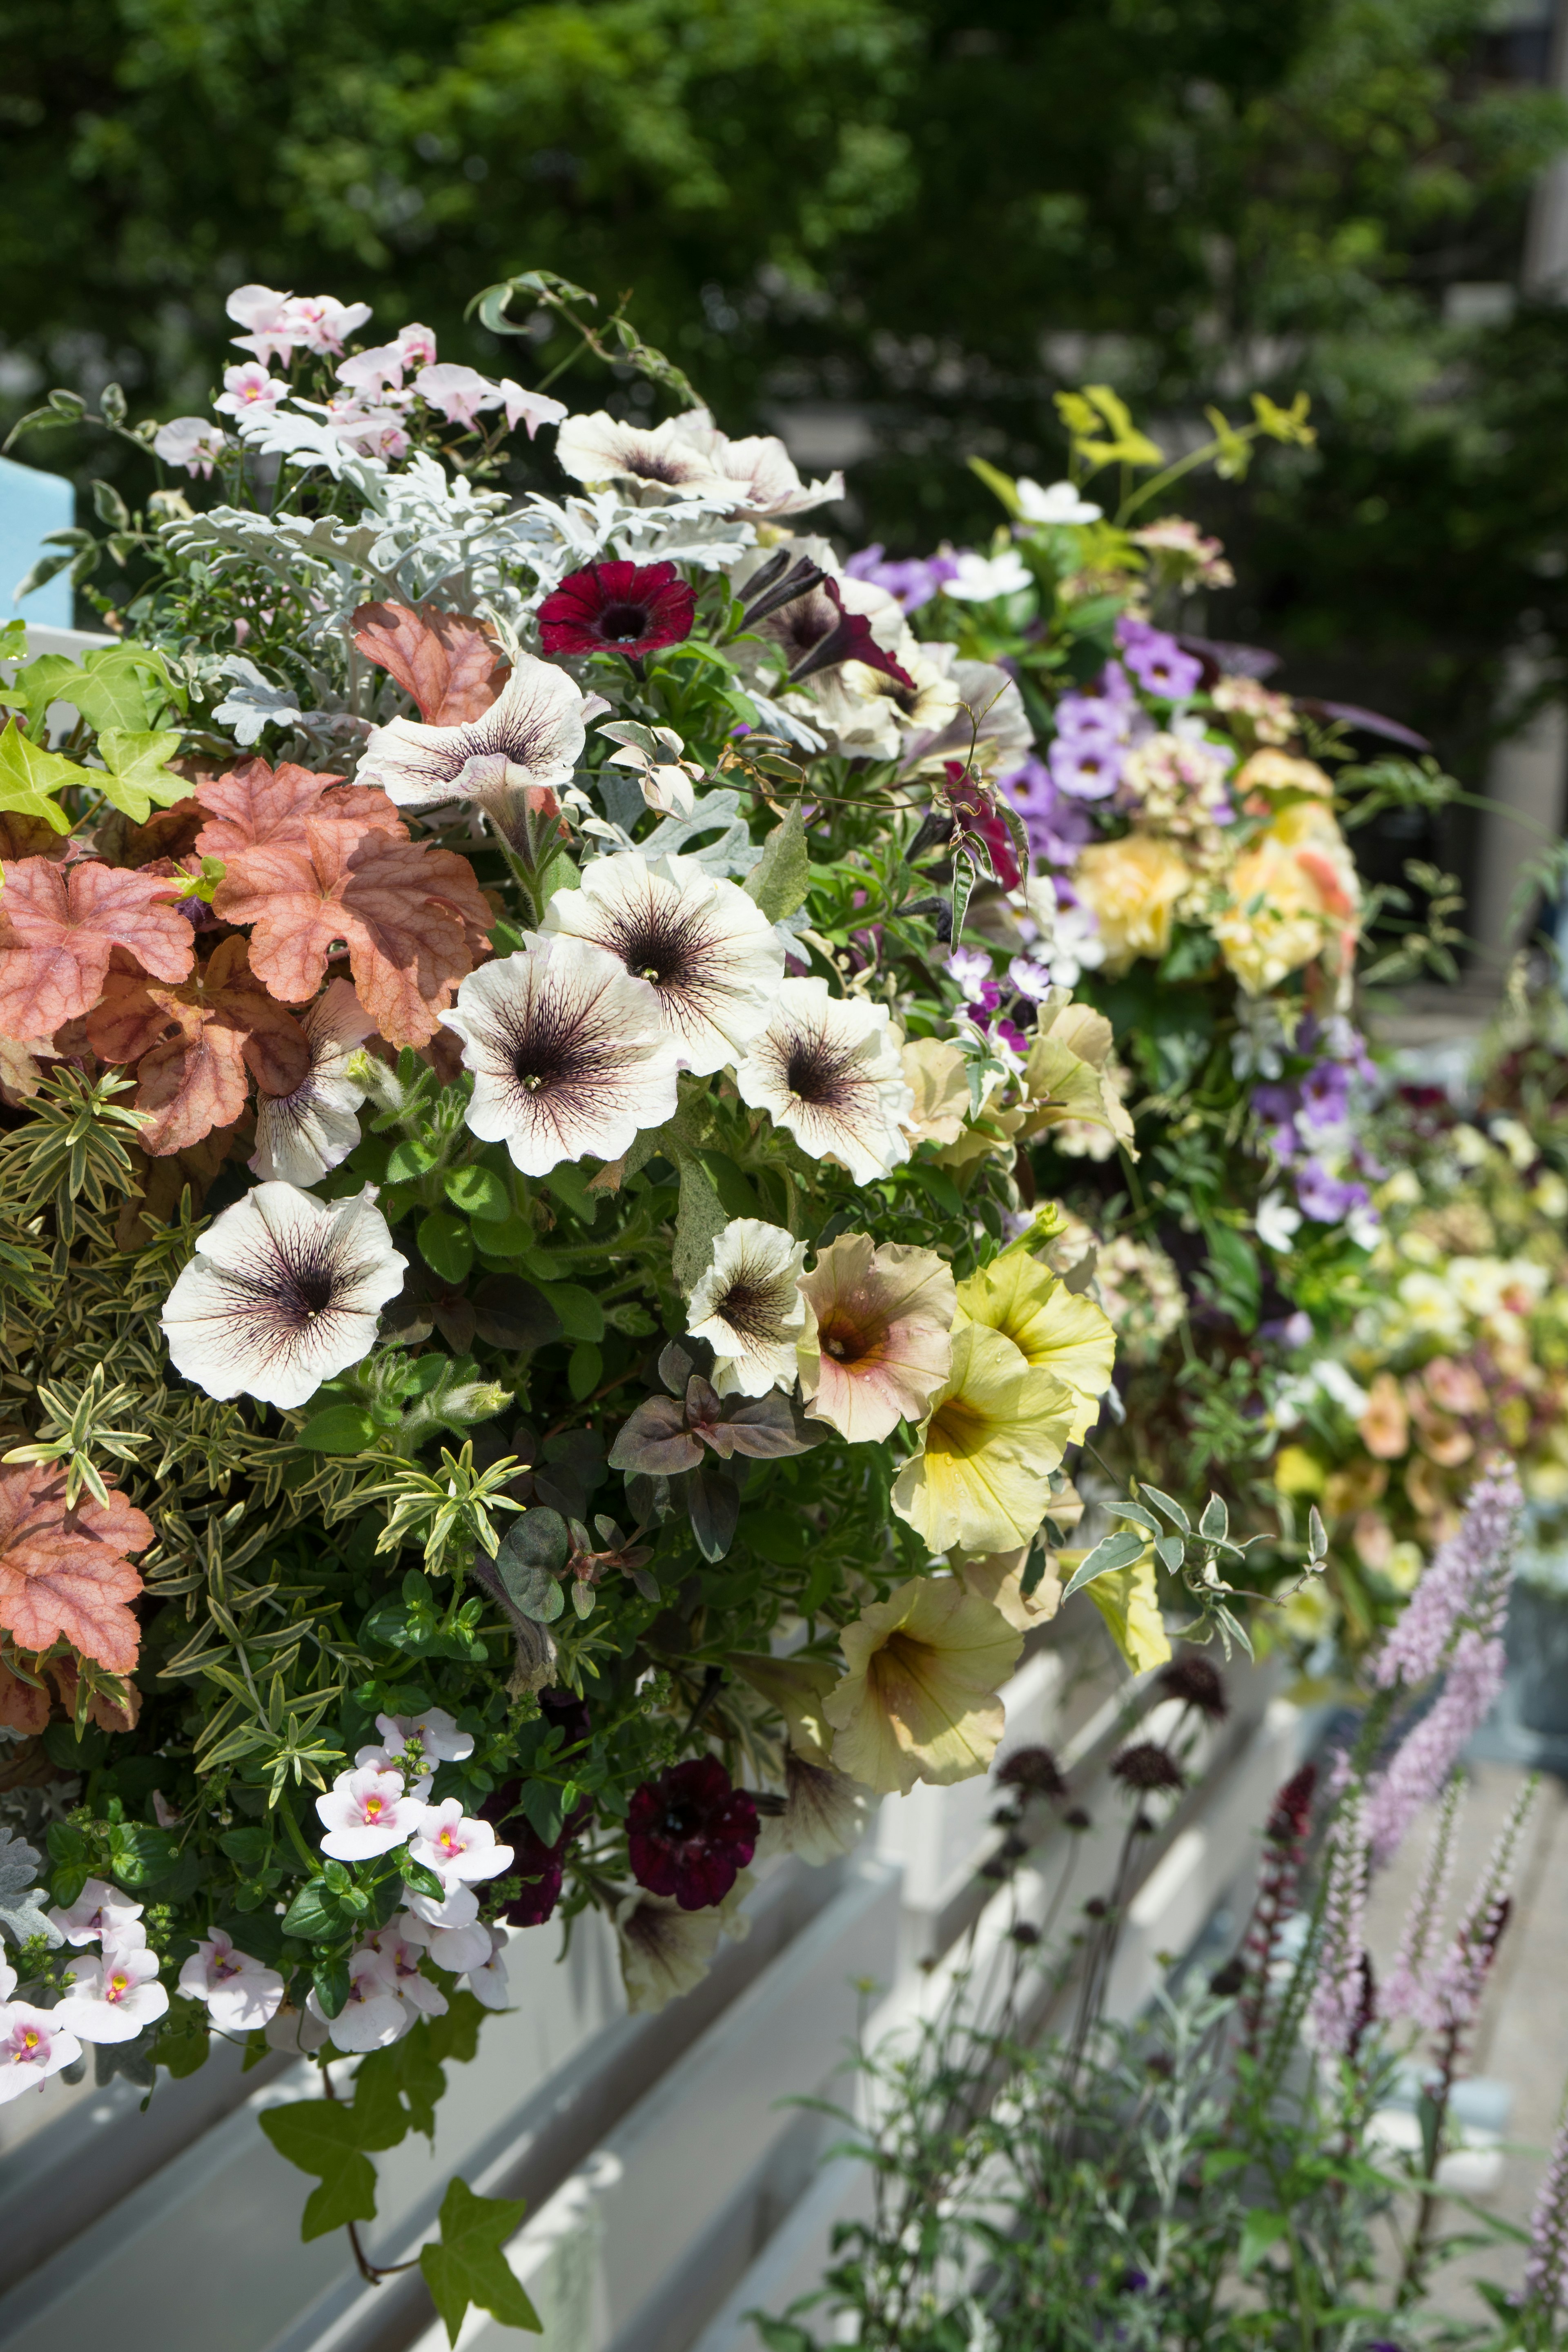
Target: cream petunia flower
{"points": [[825, 1813], [748, 1309], [828, 1068], [567, 1053], [919, 1702], [284, 1291], [531, 737], [600, 447], [882, 1350], [1050, 1326], [709, 952], [997, 1430], [299, 1136], [666, 1951]]}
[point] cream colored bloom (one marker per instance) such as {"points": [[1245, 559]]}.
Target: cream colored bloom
{"points": [[1133, 887], [919, 1702], [938, 1078], [997, 1430], [666, 1951], [1050, 1326], [882, 1348], [998, 1577], [1291, 895], [796, 1688], [825, 1812], [748, 1309], [828, 1069]]}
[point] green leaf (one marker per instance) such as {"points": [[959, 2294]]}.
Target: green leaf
{"points": [[781, 879], [319, 2136], [1110, 1553], [478, 1192], [414, 2069], [576, 1310], [1259, 2233], [1137, 1514], [1172, 1510], [124, 686], [29, 775], [699, 1222], [184, 2037], [138, 772], [456, 2035], [585, 1370], [340, 1429], [446, 1245], [467, 2266], [139, 1856], [317, 1916], [1215, 1523]]}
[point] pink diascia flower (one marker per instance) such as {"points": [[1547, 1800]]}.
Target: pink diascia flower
{"points": [[380, 369], [417, 344], [323, 324], [459, 392], [400, 1956], [100, 1910], [250, 388], [488, 1981], [239, 1993], [373, 2016], [269, 317], [367, 1812], [434, 1730], [193, 442], [33, 2043], [450, 1843], [455, 1908], [458, 1949], [112, 1998], [533, 409]]}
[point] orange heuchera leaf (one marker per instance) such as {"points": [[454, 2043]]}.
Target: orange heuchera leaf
{"points": [[192, 1046], [24, 1706], [449, 662], [254, 804], [65, 1674], [65, 1574], [411, 916], [58, 926]]}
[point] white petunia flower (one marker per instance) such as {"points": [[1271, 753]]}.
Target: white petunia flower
{"points": [[239, 1992], [366, 1812], [827, 1069], [568, 1054], [283, 1292], [761, 467], [33, 2044], [708, 952], [530, 737], [112, 1998], [299, 1136], [600, 448], [1058, 502], [991, 725], [749, 1307]]}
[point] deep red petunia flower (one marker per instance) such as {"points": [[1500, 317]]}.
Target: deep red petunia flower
{"points": [[689, 1834], [620, 608]]}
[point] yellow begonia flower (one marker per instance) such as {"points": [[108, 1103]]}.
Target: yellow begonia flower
{"points": [[1133, 887], [1128, 1601], [997, 1430], [1050, 1326], [919, 1702]]}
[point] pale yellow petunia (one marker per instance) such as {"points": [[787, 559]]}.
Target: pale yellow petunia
{"points": [[1051, 1327], [919, 1701], [997, 1430]]}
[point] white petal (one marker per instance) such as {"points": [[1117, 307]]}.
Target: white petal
{"points": [[826, 1069], [531, 734]]}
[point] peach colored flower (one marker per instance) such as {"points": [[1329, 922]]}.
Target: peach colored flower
{"points": [[1384, 1426], [881, 1348], [1133, 887]]}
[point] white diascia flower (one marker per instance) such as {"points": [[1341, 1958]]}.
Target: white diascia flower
{"points": [[600, 448], [401, 1957], [457, 1949], [749, 1307], [1058, 502], [299, 1136], [112, 1998], [826, 1067], [239, 1992], [374, 2014], [568, 1054], [366, 1812], [530, 737], [487, 1982], [436, 1732], [709, 952], [448, 1841], [100, 1910], [283, 1292], [33, 2043]]}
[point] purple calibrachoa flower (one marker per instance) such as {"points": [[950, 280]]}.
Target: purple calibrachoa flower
{"points": [[1157, 661], [1325, 1197], [911, 581]]}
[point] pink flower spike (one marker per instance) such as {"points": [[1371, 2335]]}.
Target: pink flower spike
{"points": [[33, 2044], [112, 1998], [249, 387], [366, 1812], [417, 344], [436, 1732], [373, 2016], [100, 1910], [372, 371], [459, 392], [533, 409], [323, 324], [239, 1993], [448, 1841]]}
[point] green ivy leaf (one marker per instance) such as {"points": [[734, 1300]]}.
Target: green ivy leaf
{"points": [[1259, 2233], [446, 1245], [469, 2266], [321, 2137], [412, 2070], [137, 769], [29, 775]]}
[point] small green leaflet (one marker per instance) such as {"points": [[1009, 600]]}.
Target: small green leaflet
{"points": [[1110, 1552], [29, 775], [469, 2266], [1259, 2233]]}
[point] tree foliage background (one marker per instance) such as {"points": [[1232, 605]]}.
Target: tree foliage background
{"points": [[928, 213]]}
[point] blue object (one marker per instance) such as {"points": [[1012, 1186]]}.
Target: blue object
{"points": [[32, 505]]}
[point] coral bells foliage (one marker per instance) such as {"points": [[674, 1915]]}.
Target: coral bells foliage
{"points": [[535, 1072]]}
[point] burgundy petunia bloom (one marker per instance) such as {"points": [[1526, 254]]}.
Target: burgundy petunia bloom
{"points": [[620, 608], [540, 1867], [691, 1834]]}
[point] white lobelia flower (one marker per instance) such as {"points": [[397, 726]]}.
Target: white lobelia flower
{"points": [[448, 1841], [530, 737], [374, 2014], [283, 1292], [112, 1998], [826, 1067], [709, 952], [299, 1136], [749, 1307], [1057, 502], [239, 1992], [100, 1910], [568, 1054], [366, 1812], [33, 2044]]}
